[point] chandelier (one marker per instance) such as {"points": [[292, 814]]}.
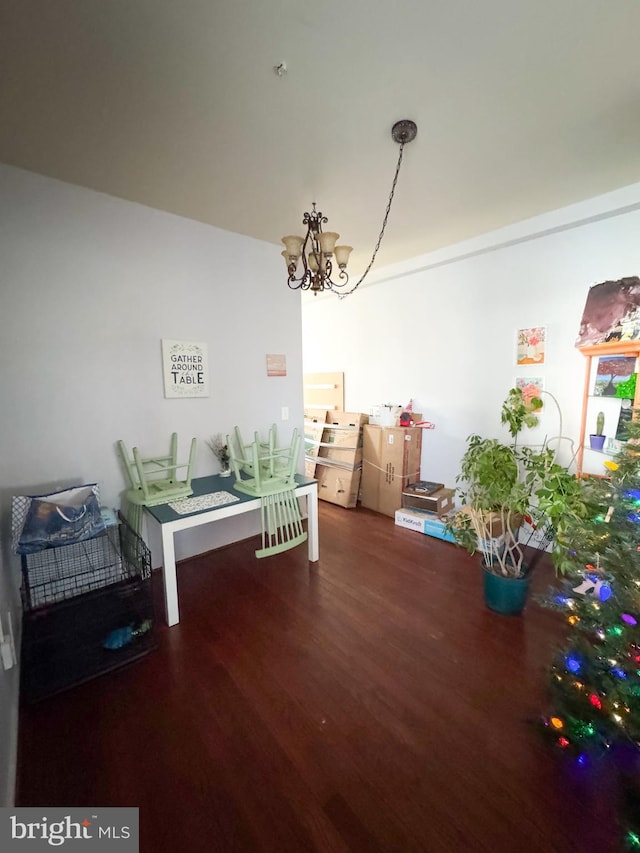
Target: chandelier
{"points": [[313, 259]]}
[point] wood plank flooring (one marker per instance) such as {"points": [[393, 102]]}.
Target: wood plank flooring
{"points": [[369, 702]]}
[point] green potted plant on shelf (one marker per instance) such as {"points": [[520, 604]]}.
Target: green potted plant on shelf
{"points": [[502, 485], [596, 439]]}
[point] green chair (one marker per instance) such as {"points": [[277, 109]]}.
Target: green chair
{"points": [[154, 480], [269, 473], [267, 468], [242, 452], [281, 522]]}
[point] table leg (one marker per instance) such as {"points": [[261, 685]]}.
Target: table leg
{"points": [[312, 526], [169, 576]]}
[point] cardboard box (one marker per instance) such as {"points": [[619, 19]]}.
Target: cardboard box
{"points": [[493, 526], [440, 502], [313, 429], [333, 454], [495, 521], [424, 522], [424, 487], [338, 486], [342, 438], [391, 461]]}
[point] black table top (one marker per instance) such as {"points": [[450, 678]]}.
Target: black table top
{"points": [[205, 486]]}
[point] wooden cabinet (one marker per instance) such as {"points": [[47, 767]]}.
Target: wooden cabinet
{"points": [[599, 395]]}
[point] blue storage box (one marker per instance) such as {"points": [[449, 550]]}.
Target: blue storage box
{"points": [[429, 523]]}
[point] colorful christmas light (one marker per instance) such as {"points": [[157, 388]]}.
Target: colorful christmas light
{"points": [[573, 664]]}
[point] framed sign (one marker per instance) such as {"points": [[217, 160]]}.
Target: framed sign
{"points": [[186, 369]]}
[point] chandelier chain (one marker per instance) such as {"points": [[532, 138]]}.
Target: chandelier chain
{"points": [[384, 225], [317, 250]]}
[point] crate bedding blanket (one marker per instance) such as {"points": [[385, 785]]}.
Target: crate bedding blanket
{"points": [[58, 518]]}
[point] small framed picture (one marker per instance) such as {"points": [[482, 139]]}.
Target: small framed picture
{"points": [[531, 386], [276, 365], [612, 371], [531, 345]]}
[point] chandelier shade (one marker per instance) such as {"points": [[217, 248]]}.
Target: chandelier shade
{"points": [[310, 260]]}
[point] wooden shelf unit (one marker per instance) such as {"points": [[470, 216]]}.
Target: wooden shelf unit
{"points": [[630, 349]]}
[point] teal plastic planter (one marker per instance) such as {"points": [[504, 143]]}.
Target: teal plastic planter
{"points": [[505, 595]]}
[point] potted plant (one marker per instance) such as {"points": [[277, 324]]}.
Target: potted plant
{"points": [[503, 484], [596, 439], [220, 450]]}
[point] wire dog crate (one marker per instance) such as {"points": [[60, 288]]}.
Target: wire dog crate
{"points": [[75, 599], [58, 574]]}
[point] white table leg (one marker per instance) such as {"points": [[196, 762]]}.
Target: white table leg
{"points": [[312, 525], [170, 577]]}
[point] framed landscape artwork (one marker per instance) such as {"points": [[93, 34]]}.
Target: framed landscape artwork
{"points": [[610, 372]]}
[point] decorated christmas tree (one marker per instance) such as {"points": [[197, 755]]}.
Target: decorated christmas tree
{"points": [[595, 675]]}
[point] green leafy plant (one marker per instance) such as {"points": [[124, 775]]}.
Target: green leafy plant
{"points": [[559, 499], [519, 411], [503, 484]]}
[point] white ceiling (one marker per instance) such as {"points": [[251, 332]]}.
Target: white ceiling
{"points": [[522, 106]]}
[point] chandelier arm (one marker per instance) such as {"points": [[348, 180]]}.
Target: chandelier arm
{"points": [[384, 225], [303, 282]]}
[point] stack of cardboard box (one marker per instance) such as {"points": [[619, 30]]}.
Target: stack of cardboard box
{"points": [[313, 428], [391, 461], [333, 455], [428, 497], [426, 507]]}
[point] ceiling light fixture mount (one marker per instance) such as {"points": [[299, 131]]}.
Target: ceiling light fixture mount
{"points": [[318, 251]]}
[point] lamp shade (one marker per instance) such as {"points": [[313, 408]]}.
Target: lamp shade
{"points": [[327, 241], [342, 255], [312, 262], [293, 246]]}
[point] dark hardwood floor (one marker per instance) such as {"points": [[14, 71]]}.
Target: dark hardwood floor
{"points": [[367, 703]]}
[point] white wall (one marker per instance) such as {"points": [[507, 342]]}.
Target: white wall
{"points": [[441, 329], [89, 285]]}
